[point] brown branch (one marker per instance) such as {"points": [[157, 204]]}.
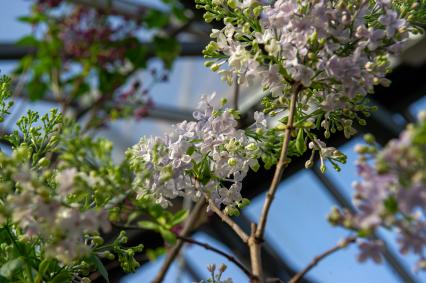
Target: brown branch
{"points": [[236, 93], [225, 218], [213, 249], [296, 278], [282, 163], [255, 256], [178, 246], [256, 237]]}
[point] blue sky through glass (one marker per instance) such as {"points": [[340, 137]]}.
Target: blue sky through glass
{"points": [[299, 231], [198, 258]]}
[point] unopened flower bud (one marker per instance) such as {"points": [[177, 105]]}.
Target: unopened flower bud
{"points": [[211, 267], [257, 11], [369, 138], [232, 162], [309, 164], [231, 4]]}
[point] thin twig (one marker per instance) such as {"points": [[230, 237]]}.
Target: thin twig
{"points": [[225, 218], [195, 213], [213, 249], [282, 162], [296, 278], [236, 93]]}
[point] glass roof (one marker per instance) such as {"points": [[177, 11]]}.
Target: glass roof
{"points": [[298, 228]]}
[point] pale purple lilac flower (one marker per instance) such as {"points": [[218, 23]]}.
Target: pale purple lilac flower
{"points": [[63, 228], [212, 139], [315, 42], [391, 195]]}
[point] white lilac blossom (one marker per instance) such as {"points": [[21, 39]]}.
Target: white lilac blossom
{"points": [[391, 194], [209, 155], [63, 227], [329, 44], [336, 50]]}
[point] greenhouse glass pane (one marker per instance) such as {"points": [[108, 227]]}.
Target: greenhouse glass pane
{"points": [[11, 29], [348, 174], [419, 105], [148, 271], [200, 258], [299, 231]]}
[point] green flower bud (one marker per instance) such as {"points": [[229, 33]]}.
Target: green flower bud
{"points": [[257, 11], [231, 4], [244, 202], [232, 162], [215, 67], [97, 240], [369, 138], [251, 147], [43, 162]]}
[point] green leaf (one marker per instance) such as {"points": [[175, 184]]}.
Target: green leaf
{"points": [[179, 217], [28, 40], [148, 225], [61, 277], [11, 266], [300, 142], [179, 13], [44, 266], [36, 88], [166, 49], [99, 266], [153, 254], [156, 19], [168, 236], [137, 55], [391, 204]]}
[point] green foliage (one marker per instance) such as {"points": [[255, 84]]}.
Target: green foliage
{"points": [[103, 55], [5, 94], [40, 139], [42, 149], [163, 222]]}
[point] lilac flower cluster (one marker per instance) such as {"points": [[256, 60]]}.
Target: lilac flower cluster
{"points": [[330, 46], [65, 228], [391, 194], [84, 28], [209, 155]]}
